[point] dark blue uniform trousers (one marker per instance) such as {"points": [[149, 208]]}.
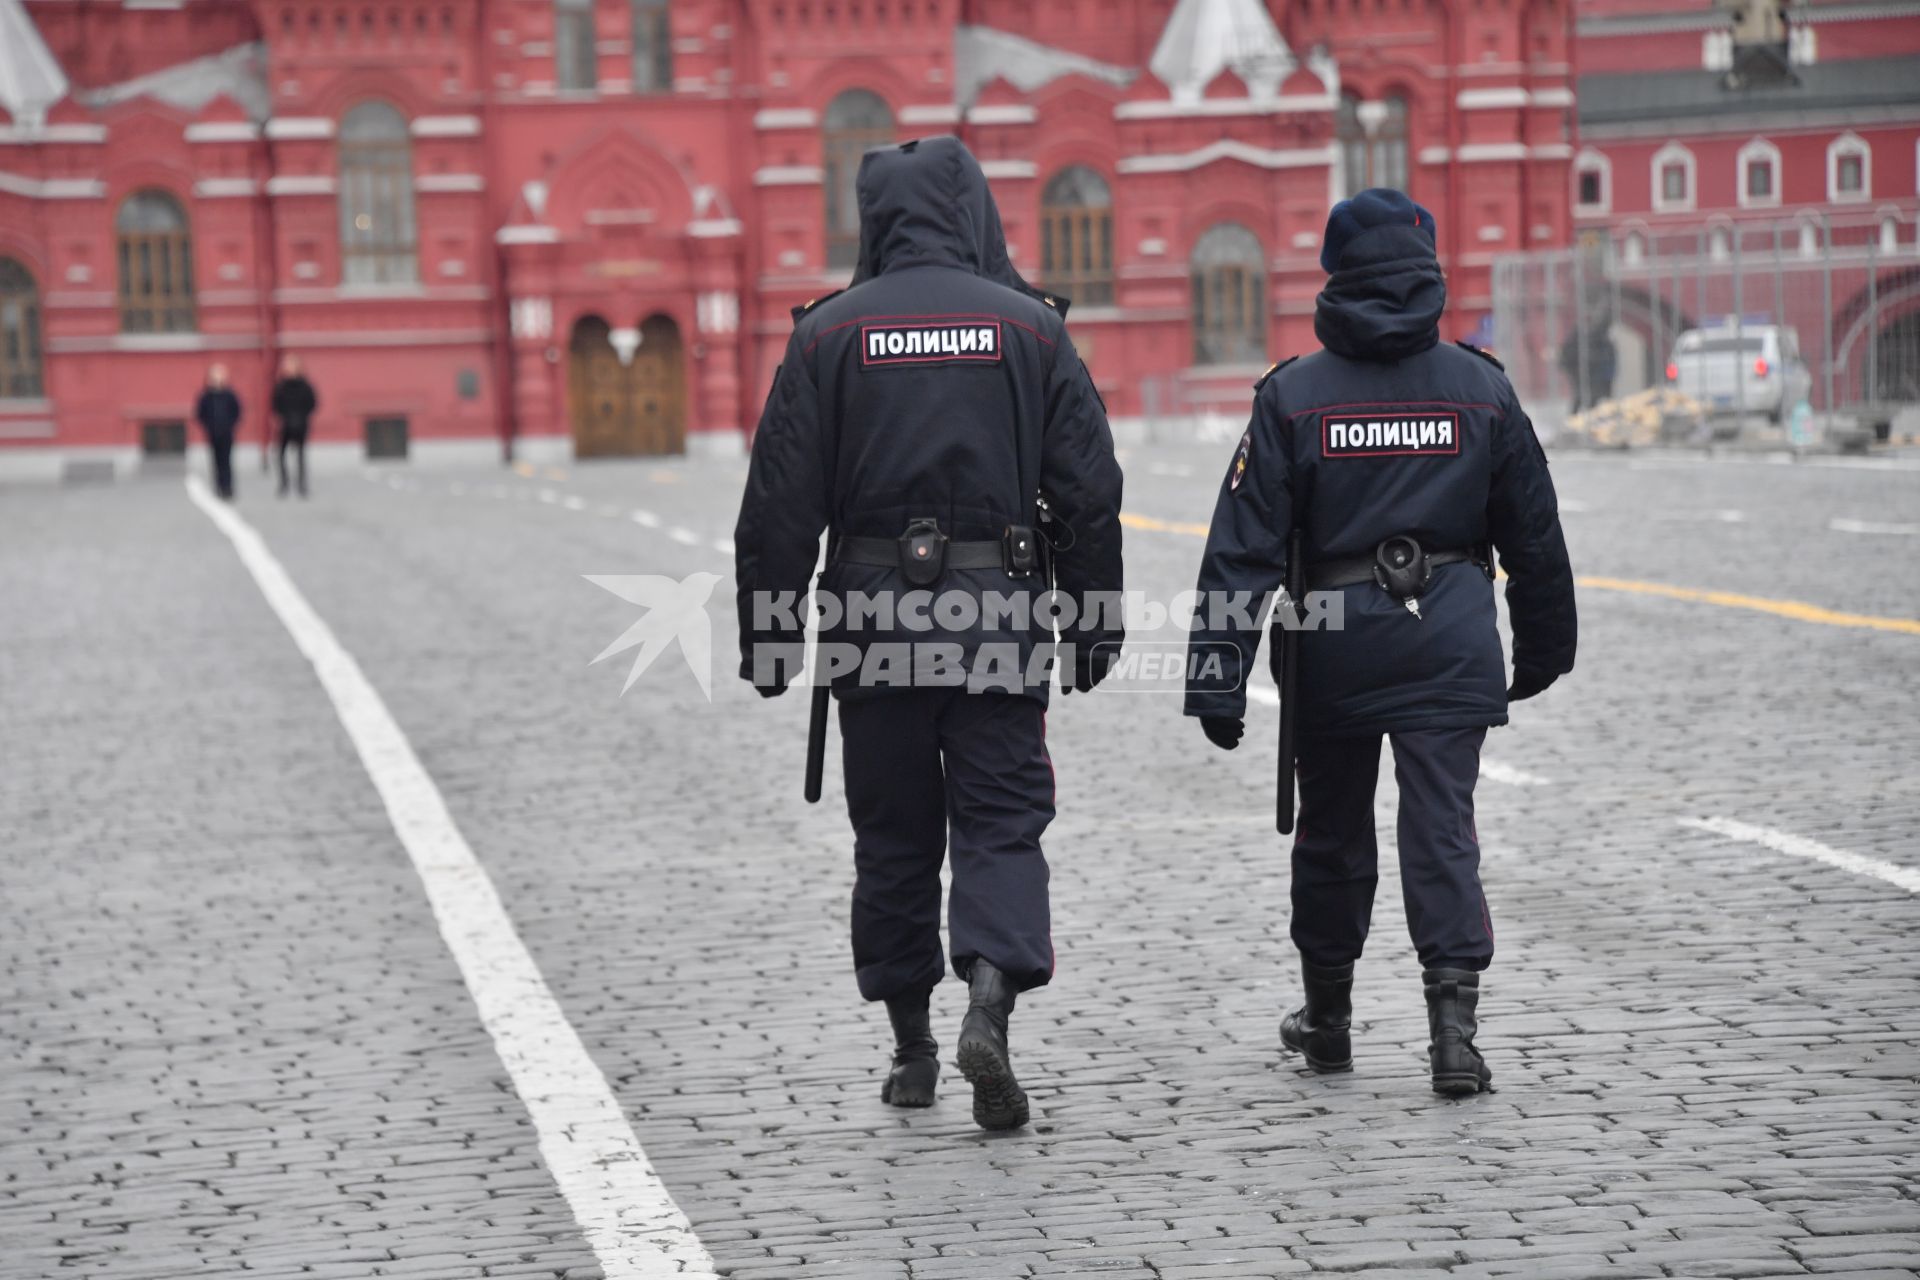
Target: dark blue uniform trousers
{"points": [[923, 765], [1336, 858]]}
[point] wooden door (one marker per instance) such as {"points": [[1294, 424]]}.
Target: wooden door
{"points": [[601, 399], [659, 390]]}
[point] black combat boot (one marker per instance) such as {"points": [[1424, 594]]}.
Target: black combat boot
{"points": [[916, 1058], [1458, 1069], [998, 1100], [1319, 1028]]}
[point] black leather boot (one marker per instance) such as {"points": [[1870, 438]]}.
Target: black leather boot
{"points": [[1319, 1029], [916, 1058], [1452, 996], [998, 1100]]}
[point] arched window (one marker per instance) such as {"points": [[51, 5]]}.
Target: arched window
{"points": [[1592, 182], [19, 333], [1076, 237], [575, 57], [1757, 173], [1229, 297], [1849, 169], [1352, 137], [156, 264], [377, 242], [652, 47], [1373, 143], [1389, 153], [1672, 179], [856, 122]]}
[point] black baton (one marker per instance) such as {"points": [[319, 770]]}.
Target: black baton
{"points": [[1289, 641], [817, 741]]}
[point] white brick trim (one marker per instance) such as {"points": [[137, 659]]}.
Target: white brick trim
{"points": [[445, 126], [930, 113], [1493, 99], [300, 184], [222, 131], [1004, 113], [789, 175], [526, 234], [785, 118], [1230, 149], [442, 183], [1010, 169], [225, 188], [299, 128]]}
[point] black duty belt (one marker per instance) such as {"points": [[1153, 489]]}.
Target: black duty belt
{"points": [[884, 553], [1347, 571]]}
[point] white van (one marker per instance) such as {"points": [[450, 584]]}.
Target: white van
{"points": [[1759, 370]]}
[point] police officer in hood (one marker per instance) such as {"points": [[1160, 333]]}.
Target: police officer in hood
{"points": [[935, 422], [1403, 461]]}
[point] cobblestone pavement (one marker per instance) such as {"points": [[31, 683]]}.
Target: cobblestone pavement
{"points": [[232, 1041]]}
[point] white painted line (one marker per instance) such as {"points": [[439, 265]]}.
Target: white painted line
{"points": [[548, 495], [724, 546], [1491, 770], [632, 1224], [574, 502], [1840, 524], [1574, 507], [1494, 771], [646, 519], [1907, 878], [685, 537]]}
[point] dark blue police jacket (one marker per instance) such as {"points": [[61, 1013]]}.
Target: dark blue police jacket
{"points": [[1388, 431], [939, 385]]}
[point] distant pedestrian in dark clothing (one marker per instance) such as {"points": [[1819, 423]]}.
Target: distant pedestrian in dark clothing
{"points": [[294, 403], [218, 413]]}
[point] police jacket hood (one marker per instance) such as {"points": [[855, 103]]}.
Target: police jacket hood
{"points": [[1384, 302], [927, 203], [939, 387]]}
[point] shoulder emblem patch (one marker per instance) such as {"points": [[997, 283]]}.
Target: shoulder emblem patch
{"points": [[1275, 368], [1391, 431], [1240, 460], [966, 340], [1484, 355], [811, 303]]}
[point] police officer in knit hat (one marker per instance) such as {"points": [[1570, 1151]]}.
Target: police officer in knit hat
{"points": [[1406, 463]]}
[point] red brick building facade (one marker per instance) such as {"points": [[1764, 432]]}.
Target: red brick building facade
{"points": [[577, 226], [1756, 161]]}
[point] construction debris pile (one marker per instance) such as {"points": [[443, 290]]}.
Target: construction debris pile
{"points": [[1658, 415]]}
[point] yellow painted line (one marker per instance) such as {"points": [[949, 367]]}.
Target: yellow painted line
{"points": [[1132, 521], [664, 477], [1797, 610], [524, 468], [556, 473]]}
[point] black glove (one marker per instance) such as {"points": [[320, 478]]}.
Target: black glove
{"points": [[1091, 664], [770, 690], [1223, 731], [1527, 682]]}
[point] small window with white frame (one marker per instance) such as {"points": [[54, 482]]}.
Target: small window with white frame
{"points": [[1758, 175], [1673, 179], [1592, 182], [1849, 169]]}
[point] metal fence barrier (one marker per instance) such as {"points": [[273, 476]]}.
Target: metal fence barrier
{"points": [[1601, 321]]}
